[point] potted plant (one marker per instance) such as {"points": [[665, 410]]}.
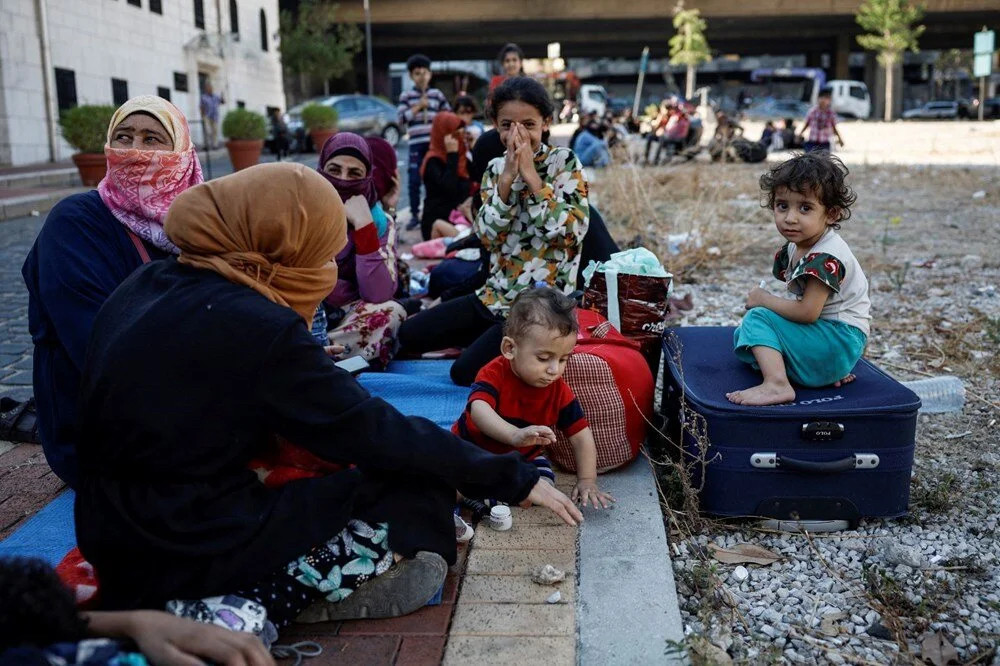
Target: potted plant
{"points": [[245, 131], [321, 121], [86, 129]]}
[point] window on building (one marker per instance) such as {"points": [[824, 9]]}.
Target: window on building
{"points": [[180, 82], [163, 92], [240, 104], [156, 6], [263, 31], [234, 18], [119, 91], [199, 14], [65, 88], [135, 3]]}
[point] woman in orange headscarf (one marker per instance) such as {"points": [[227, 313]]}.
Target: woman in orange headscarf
{"points": [[445, 171], [194, 365]]}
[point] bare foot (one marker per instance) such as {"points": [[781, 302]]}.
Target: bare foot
{"points": [[846, 380], [764, 394]]}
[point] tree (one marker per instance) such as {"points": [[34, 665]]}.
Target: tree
{"points": [[313, 43], [891, 33], [688, 46]]}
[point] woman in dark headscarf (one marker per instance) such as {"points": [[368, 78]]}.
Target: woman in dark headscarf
{"points": [[385, 173], [89, 244], [365, 319], [194, 365]]}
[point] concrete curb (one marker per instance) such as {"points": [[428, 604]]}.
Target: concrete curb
{"points": [[626, 609], [21, 206], [66, 177]]}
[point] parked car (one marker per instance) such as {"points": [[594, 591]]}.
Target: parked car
{"points": [[938, 109], [360, 114], [991, 108]]}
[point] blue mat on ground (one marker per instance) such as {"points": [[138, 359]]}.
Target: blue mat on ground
{"points": [[416, 388]]}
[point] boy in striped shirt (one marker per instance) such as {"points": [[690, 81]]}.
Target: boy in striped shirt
{"points": [[417, 108]]}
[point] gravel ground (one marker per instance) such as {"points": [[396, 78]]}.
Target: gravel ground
{"points": [[929, 240]]}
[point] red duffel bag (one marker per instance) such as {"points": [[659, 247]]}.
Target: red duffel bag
{"points": [[612, 381]]}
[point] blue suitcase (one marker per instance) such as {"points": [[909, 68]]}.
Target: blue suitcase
{"points": [[834, 454]]}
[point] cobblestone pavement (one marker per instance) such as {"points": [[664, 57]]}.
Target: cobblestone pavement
{"points": [[16, 237]]}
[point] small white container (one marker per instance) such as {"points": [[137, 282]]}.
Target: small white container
{"points": [[500, 519]]}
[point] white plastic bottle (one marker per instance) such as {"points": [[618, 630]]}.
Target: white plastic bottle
{"points": [[938, 395]]}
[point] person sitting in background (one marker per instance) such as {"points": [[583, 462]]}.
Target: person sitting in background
{"points": [[89, 244], [767, 136], [659, 124], [675, 133], [363, 318], [511, 59], [591, 147], [585, 120], [445, 173]]}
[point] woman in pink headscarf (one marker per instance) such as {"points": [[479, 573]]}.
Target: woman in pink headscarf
{"points": [[90, 243], [363, 317]]}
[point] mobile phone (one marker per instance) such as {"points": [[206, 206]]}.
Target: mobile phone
{"points": [[354, 365]]}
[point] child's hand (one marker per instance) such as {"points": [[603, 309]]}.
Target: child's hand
{"points": [[756, 297], [451, 144], [533, 436], [587, 490], [510, 166], [525, 156]]}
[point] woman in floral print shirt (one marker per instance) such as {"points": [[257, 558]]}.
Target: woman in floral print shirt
{"points": [[533, 219]]}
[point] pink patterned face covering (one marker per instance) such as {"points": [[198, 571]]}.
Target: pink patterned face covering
{"points": [[141, 184]]}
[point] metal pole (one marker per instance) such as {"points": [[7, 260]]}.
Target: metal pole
{"points": [[368, 45], [982, 95], [643, 61]]}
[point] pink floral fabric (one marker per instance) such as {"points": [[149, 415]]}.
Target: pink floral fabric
{"points": [[141, 184]]}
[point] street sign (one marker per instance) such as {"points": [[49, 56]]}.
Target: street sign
{"points": [[982, 50]]}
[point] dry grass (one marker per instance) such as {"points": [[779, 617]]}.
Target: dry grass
{"points": [[713, 205]]}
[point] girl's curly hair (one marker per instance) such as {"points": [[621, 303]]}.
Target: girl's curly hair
{"points": [[36, 609], [817, 172]]}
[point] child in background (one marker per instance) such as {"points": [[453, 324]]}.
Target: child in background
{"points": [[417, 108], [821, 122], [520, 396], [816, 333]]}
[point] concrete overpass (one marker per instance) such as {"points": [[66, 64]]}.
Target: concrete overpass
{"points": [[460, 29]]}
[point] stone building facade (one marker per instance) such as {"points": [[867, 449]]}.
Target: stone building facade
{"points": [[56, 54]]}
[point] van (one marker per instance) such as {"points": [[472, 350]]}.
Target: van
{"points": [[850, 98], [592, 98]]}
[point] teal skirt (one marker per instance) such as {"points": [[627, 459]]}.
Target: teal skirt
{"points": [[816, 354]]}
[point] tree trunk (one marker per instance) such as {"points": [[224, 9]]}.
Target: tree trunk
{"points": [[890, 69], [689, 87]]}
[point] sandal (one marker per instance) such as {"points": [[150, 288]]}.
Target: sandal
{"points": [[19, 421], [406, 587]]}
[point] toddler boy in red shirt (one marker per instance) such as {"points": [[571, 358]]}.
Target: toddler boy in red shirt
{"points": [[520, 396]]}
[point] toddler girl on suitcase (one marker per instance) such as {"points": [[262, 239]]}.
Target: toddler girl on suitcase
{"points": [[814, 334]]}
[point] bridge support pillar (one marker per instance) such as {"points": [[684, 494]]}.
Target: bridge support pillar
{"points": [[841, 54]]}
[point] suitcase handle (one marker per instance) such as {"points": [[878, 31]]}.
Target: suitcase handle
{"points": [[854, 461]]}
